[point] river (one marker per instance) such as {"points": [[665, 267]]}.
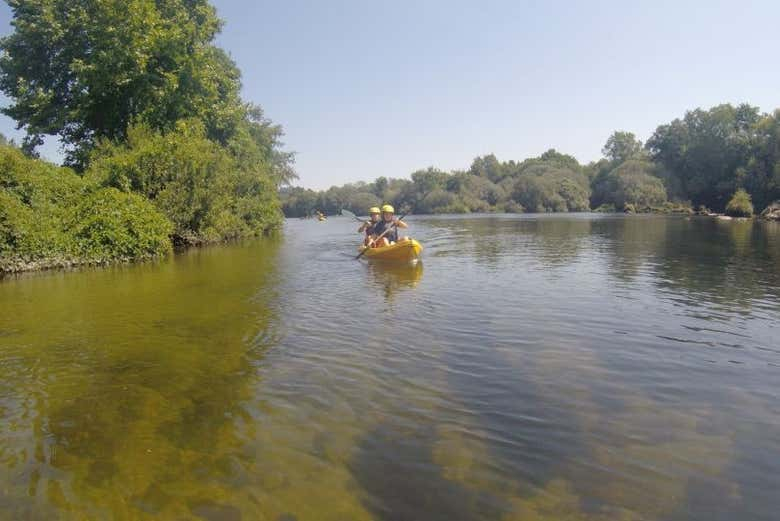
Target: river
{"points": [[567, 367]]}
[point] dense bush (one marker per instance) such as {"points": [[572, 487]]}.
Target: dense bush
{"points": [[547, 188], [112, 225], [740, 205], [204, 190], [149, 110], [633, 182], [34, 200], [49, 216]]}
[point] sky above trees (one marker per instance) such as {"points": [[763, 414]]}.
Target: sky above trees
{"points": [[369, 89]]}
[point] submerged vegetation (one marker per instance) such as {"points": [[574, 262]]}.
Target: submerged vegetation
{"points": [[159, 146], [701, 160]]}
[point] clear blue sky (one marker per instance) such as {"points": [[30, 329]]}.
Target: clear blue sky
{"points": [[369, 88]]}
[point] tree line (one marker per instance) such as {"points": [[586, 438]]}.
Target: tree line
{"points": [[704, 160], [159, 146]]}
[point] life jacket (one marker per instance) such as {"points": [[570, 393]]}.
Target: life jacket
{"points": [[383, 225]]}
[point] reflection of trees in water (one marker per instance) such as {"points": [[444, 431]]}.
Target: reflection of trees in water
{"points": [[559, 241], [551, 240], [729, 262], [138, 409], [561, 432], [725, 262], [630, 242]]}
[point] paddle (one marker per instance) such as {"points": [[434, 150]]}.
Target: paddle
{"points": [[347, 213], [394, 225]]}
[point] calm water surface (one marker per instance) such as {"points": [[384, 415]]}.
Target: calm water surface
{"points": [[536, 367]]}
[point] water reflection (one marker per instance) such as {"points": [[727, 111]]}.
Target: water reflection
{"points": [[546, 367], [554, 240], [391, 277]]}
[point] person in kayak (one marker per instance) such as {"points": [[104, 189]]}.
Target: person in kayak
{"points": [[388, 222], [368, 226]]}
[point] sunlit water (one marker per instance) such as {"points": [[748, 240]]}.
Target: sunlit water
{"points": [[532, 367]]}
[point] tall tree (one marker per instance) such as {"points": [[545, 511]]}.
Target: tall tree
{"points": [[705, 153], [85, 69], [621, 146]]}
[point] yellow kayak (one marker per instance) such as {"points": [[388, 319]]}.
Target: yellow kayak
{"points": [[406, 251]]}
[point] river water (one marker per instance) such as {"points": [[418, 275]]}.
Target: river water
{"points": [[567, 367]]}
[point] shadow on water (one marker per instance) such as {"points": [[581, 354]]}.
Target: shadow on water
{"points": [[134, 400]]}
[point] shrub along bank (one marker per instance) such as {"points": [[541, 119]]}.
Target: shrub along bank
{"points": [[51, 217], [160, 145]]}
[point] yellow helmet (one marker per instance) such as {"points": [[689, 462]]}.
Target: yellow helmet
{"points": [[388, 209], [373, 209]]}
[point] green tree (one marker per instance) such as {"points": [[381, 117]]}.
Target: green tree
{"points": [[761, 175], [427, 180], [488, 167], [704, 153], [621, 146], [545, 187], [204, 190], [634, 182], [85, 69]]}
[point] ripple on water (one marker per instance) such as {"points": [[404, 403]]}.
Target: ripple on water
{"points": [[531, 367]]}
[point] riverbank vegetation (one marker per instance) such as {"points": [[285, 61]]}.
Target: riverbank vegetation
{"points": [[701, 160], [159, 146]]}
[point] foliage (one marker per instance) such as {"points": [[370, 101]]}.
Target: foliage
{"points": [[761, 175], [634, 181], [113, 225], [705, 152], [149, 111], [207, 193], [550, 182], [549, 188], [34, 201], [84, 70], [621, 146], [51, 216], [700, 160], [740, 205]]}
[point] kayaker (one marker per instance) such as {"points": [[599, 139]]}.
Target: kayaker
{"points": [[368, 226], [388, 220]]}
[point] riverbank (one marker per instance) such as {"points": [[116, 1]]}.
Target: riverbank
{"points": [[136, 201]]}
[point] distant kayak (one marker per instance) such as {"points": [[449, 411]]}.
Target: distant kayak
{"points": [[406, 251], [321, 218]]}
